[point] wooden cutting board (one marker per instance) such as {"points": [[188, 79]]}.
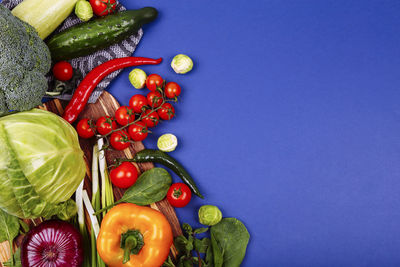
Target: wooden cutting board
{"points": [[105, 105]]}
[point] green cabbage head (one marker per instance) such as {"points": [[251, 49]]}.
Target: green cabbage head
{"points": [[41, 165]]}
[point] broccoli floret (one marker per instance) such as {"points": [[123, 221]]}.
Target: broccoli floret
{"points": [[24, 62]]}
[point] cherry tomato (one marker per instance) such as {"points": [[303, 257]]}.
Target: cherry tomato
{"points": [[124, 115], [119, 140], [103, 7], [172, 90], [153, 81], [138, 131], [85, 128], [105, 125], [166, 112], [63, 71], [154, 99], [125, 175], [137, 102], [179, 195], [151, 118]]}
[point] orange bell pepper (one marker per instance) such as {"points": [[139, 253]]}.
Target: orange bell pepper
{"points": [[132, 235]]}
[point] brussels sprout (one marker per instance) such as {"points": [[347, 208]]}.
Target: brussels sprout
{"points": [[209, 215], [83, 10], [182, 64], [138, 77]]}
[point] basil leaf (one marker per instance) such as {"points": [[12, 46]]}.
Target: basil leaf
{"points": [[9, 226], [152, 186], [180, 243], [201, 245], [187, 229], [200, 230], [229, 237]]}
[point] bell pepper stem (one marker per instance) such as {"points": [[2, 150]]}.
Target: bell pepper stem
{"points": [[130, 243]]}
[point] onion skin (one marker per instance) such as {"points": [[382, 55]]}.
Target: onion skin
{"points": [[52, 243]]}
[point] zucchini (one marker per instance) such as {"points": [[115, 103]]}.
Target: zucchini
{"points": [[86, 38], [44, 15]]}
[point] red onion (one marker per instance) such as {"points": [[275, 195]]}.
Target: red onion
{"points": [[52, 244]]}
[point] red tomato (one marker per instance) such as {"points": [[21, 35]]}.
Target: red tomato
{"points": [[154, 99], [120, 140], [85, 128], [150, 118], [138, 131], [153, 81], [105, 124], [103, 7], [125, 175], [166, 112], [137, 102], [124, 115], [179, 195], [172, 90], [63, 71]]}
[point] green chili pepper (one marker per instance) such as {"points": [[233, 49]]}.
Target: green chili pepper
{"points": [[157, 156]]}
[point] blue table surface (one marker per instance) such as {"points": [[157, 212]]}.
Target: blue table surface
{"points": [[289, 121]]}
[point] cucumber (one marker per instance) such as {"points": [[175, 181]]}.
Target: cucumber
{"points": [[86, 38]]}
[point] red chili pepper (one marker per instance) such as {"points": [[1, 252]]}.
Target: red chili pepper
{"points": [[94, 77]]}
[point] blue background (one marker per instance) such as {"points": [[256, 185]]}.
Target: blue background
{"points": [[289, 121]]}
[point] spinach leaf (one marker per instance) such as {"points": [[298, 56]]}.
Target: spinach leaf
{"points": [[150, 187], [218, 253], [229, 238], [201, 245]]}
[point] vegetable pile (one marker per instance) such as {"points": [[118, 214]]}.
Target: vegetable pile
{"points": [[41, 169]]}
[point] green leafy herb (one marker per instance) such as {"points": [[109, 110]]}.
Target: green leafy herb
{"points": [[229, 237], [150, 187]]}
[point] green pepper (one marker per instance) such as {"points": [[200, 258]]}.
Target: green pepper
{"points": [[157, 156]]}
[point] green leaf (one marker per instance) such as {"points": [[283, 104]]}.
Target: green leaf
{"points": [[152, 186], [189, 245], [201, 245], [229, 238], [24, 226], [17, 260], [168, 262], [200, 230], [209, 258], [180, 243], [218, 253], [9, 226], [187, 229]]}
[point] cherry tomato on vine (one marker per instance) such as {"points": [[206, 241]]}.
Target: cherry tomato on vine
{"points": [[166, 112], [151, 118], [153, 81], [137, 102], [105, 125], [172, 90], [179, 195], [63, 71], [124, 115], [103, 7], [125, 175], [85, 128], [138, 131], [120, 140], [154, 99]]}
